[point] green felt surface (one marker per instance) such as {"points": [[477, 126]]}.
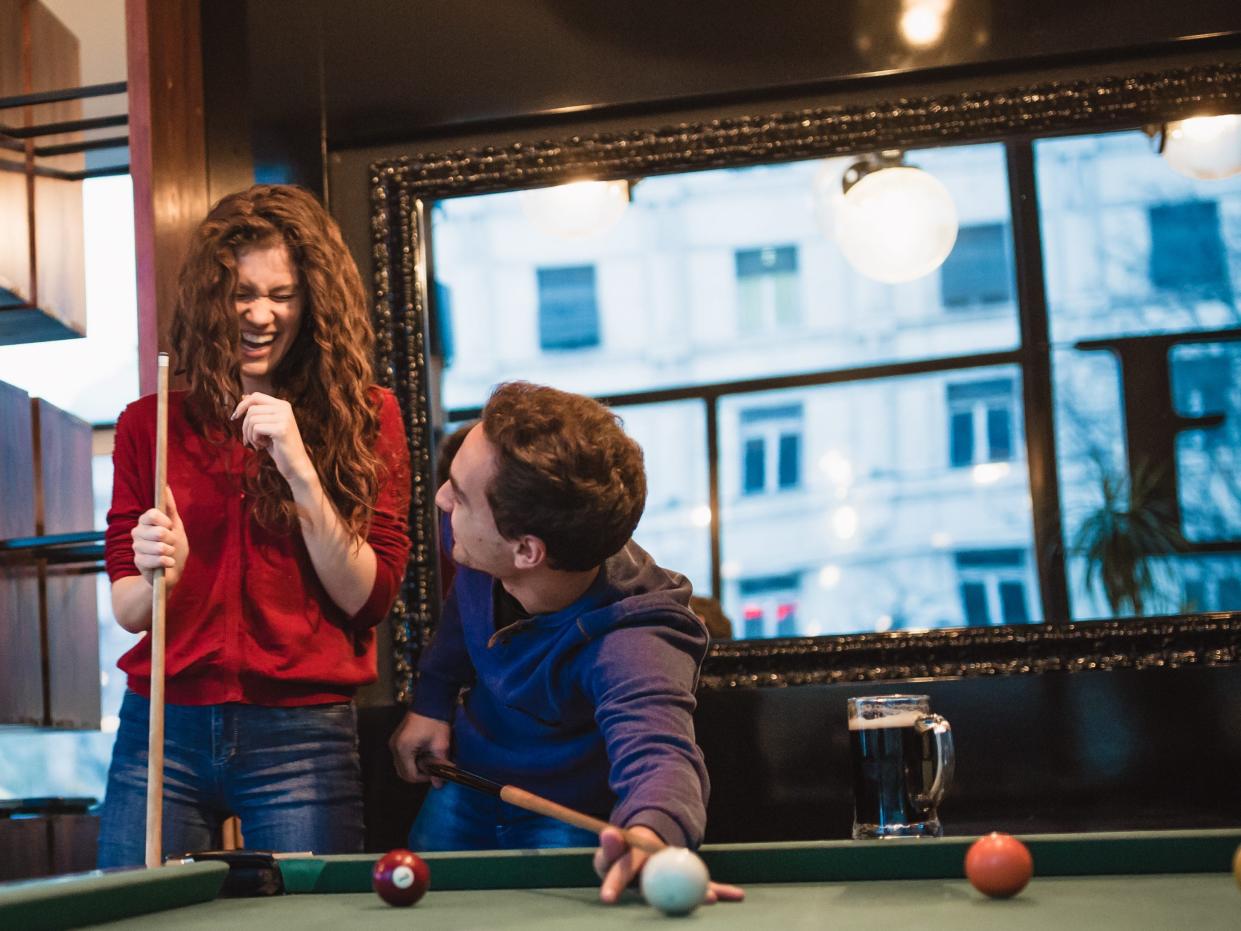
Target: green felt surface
{"points": [[1167, 879], [1201, 902]]}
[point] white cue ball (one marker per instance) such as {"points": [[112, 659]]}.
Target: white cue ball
{"points": [[674, 881]]}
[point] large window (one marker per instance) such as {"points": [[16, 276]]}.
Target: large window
{"points": [[864, 445]]}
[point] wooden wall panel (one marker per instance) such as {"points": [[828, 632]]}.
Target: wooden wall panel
{"points": [[42, 257], [21, 667], [66, 495], [14, 197], [59, 249], [167, 155], [47, 845], [72, 841], [24, 852]]}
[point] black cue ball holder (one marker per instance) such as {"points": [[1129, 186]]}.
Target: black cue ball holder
{"points": [[251, 873]]}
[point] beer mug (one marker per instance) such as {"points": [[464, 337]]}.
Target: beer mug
{"points": [[902, 766]]}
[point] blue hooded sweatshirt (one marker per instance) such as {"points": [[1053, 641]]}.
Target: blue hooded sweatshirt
{"points": [[591, 706]]}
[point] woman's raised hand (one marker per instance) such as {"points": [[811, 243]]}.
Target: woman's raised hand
{"points": [[268, 423]]}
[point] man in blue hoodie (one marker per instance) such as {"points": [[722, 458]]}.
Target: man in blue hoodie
{"points": [[565, 659]]}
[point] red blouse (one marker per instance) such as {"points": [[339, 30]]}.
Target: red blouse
{"points": [[249, 620]]}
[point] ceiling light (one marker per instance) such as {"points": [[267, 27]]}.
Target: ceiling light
{"points": [[895, 223], [1205, 148]]}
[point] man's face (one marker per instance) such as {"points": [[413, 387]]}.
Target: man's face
{"points": [[476, 542]]}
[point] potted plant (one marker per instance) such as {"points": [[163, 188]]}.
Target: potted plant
{"points": [[1124, 539]]}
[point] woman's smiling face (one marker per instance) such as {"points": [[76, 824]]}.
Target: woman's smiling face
{"points": [[269, 301]]}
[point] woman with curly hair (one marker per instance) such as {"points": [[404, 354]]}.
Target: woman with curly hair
{"points": [[283, 540]]}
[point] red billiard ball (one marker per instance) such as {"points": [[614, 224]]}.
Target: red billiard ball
{"points": [[998, 865], [401, 877]]}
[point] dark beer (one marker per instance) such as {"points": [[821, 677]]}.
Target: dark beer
{"points": [[893, 768]]}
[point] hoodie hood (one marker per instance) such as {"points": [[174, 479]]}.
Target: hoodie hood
{"points": [[631, 589]]}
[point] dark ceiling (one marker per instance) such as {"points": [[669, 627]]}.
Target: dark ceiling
{"points": [[373, 71], [392, 69]]}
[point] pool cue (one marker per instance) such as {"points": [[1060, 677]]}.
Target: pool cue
{"points": [[442, 769], [155, 740]]}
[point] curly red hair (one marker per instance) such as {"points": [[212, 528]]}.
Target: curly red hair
{"points": [[326, 375]]}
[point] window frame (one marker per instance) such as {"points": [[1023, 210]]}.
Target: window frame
{"points": [[991, 110]]}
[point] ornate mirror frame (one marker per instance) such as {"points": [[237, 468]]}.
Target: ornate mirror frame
{"points": [[401, 188]]}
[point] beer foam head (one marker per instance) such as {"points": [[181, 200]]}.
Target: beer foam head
{"points": [[898, 718]]}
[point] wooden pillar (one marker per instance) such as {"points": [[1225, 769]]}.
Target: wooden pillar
{"points": [[168, 157]]}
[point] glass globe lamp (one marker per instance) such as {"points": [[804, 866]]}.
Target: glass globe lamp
{"points": [[896, 224], [1205, 148]]}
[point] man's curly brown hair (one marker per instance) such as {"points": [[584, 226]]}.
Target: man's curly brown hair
{"points": [[568, 473], [327, 371]]}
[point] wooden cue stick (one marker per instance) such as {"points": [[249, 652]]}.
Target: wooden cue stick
{"points": [[529, 801], [155, 741]]}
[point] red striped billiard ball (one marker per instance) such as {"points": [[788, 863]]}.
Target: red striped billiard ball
{"points": [[998, 865], [401, 877]]}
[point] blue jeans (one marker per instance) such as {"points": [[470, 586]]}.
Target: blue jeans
{"points": [[457, 818], [291, 774]]}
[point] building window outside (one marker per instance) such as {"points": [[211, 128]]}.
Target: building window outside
{"points": [[978, 271], [769, 605], [981, 422], [993, 587], [1205, 385], [767, 296], [568, 308], [771, 443], [1187, 251]]}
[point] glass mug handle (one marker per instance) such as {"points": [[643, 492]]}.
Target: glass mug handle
{"points": [[945, 758]]}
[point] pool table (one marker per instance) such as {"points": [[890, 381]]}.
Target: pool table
{"points": [[1166, 879]]}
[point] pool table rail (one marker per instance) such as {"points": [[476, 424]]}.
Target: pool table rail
{"points": [[80, 899], [801, 861]]}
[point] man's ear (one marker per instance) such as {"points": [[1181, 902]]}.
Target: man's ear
{"points": [[531, 552]]}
